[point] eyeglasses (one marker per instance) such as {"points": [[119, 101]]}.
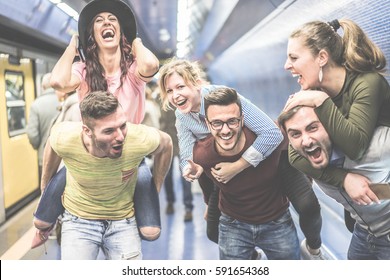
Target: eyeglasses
{"points": [[231, 123]]}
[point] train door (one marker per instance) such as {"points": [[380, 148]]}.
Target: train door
{"points": [[18, 162]]}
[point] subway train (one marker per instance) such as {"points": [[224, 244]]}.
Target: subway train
{"points": [[245, 48], [21, 69]]}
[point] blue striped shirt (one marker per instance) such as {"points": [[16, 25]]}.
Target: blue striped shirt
{"points": [[192, 127]]}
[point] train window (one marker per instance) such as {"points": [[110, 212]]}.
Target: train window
{"points": [[16, 105]]}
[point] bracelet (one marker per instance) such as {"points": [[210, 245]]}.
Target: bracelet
{"points": [[147, 77]]}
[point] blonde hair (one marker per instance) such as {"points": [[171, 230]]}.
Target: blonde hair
{"points": [[189, 71], [354, 49]]}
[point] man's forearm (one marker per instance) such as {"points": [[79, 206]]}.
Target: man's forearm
{"points": [[162, 162], [50, 164]]}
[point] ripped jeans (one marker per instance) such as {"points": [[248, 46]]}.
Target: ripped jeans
{"points": [[146, 201], [82, 239]]}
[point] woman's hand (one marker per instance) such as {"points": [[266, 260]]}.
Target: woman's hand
{"points": [[310, 98], [192, 171], [358, 189], [225, 171]]}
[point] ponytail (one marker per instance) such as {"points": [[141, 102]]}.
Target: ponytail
{"points": [[360, 53]]}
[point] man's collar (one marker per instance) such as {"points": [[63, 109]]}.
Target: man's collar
{"points": [[337, 158]]}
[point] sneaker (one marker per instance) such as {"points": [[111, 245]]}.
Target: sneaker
{"points": [[258, 254], [170, 210], [306, 255], [188, 216]]}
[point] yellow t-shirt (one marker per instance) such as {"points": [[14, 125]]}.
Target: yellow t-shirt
{"points": [[101, 188]]}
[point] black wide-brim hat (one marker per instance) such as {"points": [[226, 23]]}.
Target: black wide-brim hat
{"points": [[118, 8]]}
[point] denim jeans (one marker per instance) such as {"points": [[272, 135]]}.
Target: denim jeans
{"points": [[278, 238], [211, 193], [187, 193], [365, 246], [82, 239], [146, 201], [213, 215], [50, 204]]}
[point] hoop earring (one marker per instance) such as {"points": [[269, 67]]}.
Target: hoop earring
{"points": [[320, 75]]}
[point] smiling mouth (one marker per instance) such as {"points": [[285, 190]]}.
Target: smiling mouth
{"points": [[226, 137], [108, 33], [297, 76], [181, 103]]}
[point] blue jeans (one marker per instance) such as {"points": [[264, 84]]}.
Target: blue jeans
{"points": [[50, 204], [213, 215], [82, 239], [146, 202], [187, 193], [278, 238], [365, 246]]}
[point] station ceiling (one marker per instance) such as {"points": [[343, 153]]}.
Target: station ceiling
{"points": [[212, 25]]}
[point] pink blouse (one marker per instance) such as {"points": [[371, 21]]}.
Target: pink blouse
{"points": [[131, 95]]}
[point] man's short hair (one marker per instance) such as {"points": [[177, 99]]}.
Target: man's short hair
{"points": [[222, 96], [97, 105], [286, 115]]}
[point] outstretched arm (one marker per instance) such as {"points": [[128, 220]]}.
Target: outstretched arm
{"points": [[192, 171]]}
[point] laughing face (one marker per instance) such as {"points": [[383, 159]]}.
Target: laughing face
{"points": [[107, 30], [185, 97], [302, 64], [225, 124], [308, 137]]}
